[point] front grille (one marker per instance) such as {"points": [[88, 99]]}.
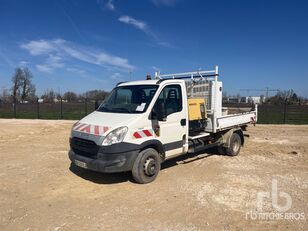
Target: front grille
{"points": [[83, 147]]}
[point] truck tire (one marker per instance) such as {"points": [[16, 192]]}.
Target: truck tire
{"points": [[146, 166], [221, 150], [235, 145]]}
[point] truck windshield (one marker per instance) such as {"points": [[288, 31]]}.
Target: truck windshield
{"points": [[129, 99]]}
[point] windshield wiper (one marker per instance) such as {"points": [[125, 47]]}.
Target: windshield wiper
{"points": [[121, 110]]}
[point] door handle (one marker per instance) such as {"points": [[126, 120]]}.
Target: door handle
{"points": [[183, 122]]}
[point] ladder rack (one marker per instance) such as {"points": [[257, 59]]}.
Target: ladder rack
{"points": [[194, 75]]}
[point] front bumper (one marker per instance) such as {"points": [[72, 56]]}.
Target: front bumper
{"points": [[115, 158], [120, 162]]}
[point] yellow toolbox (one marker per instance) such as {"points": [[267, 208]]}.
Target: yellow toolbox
{"points": [[196, 109], [197, 115]]}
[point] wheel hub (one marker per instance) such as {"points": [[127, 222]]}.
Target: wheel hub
{"points": [[236, 146], [150, 167]]}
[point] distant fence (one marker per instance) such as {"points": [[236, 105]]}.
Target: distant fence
{"points": [[58, 110], [268, 114], [280, 114], [277, 114]]}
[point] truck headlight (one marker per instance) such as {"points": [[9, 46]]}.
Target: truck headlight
{"points": [[115, 136]]}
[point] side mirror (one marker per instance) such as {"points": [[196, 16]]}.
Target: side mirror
{"points": [[159, 112]]}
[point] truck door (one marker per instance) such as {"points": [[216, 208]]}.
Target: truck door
{"points": [[172, 130]]}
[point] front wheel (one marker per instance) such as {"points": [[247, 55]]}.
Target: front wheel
{"points": [[146, 166], [235, 145]]}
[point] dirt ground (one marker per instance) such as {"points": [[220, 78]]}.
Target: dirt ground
{"points": [[39, 190]]}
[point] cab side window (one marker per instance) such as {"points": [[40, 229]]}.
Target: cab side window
{"points": [[171, 95]]}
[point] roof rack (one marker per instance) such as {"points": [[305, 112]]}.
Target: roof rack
{"points": [[194, 75]]}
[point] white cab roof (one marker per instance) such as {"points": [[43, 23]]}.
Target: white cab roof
{"points": [[147, 82], [140, 82]]}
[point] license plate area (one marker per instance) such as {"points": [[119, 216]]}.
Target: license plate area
{"points": [[80, 164]]}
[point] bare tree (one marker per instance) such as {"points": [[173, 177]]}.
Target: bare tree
{"points": [[285, 97], [49, 96], [17, 80], [95, 94], [70, 96], [31, 93], [5, 95], [22, 88], [28, 89]]}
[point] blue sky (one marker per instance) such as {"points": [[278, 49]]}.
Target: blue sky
{"points": [[93, 44]]}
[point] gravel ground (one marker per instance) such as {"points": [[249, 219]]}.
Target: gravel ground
{"points": [[39, 190]]}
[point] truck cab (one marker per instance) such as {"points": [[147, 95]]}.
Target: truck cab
{"points": [[143, 123]]}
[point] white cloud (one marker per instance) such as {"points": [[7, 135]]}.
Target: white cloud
{"points": [[38, 47], [140, 25], [59, 50], [110, 5], [104, 58], [75, 70], [55, 61], [143, 26], [106, 4], [51, 63], [44, 68], [164, 2], [136, 23]]}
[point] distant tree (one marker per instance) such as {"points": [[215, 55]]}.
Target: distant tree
{"points": [[70, 96], [58, 96], [17, 80], [22, 88], [49, 96], [31, 93], [294, 98], [282, 97], [5, 95], [27, 88], [99, 95], [301, 100]]}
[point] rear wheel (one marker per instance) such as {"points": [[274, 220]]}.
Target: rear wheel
{"points": [[146, 166], [235, 145]]}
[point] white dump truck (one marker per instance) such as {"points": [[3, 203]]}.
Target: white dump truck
{"points": [[144, 123]]}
